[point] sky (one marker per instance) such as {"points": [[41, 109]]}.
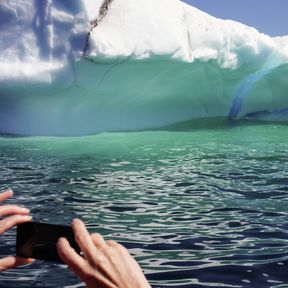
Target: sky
{"points": [[267, 16]]}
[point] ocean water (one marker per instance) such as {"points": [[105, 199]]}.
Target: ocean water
{"points": [[197, 207]]}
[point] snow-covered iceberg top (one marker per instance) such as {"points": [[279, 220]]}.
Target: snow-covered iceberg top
{"points": [[143, 28], [40, 35], [86, 66]]}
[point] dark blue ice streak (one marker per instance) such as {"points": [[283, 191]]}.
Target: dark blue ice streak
{"points": [[245, 87], [243, 90]]}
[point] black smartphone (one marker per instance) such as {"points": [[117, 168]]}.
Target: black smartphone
{"points": [[38, 240]]}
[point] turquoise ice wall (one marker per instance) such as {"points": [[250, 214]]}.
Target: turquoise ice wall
{"points": [[126, 94]]}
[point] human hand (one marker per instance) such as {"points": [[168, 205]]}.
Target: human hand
{"points": [[106, 264], [16, 215]]}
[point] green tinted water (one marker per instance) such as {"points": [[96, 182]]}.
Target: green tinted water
{"points": [[206, 206]]}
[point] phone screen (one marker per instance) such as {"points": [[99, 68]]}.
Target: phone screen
{"points": [[38, 240]]}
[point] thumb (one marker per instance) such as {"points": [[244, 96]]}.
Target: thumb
{"points": [[11, 262]]}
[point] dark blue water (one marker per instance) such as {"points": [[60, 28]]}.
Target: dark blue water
{"points": [[201, 208]]}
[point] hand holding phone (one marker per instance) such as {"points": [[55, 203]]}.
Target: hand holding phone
{"points": [[38, 240]]}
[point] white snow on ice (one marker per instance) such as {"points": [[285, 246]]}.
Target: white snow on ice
{"points": [[37, 36]]}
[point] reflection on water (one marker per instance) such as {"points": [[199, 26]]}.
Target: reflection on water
{"points": [[205, 208]]}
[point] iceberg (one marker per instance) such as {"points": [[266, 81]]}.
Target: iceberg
{"points": [[82, 67]]}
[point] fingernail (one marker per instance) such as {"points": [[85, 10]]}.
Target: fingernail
{"points": [[28, 218], [8, 190], [30, 260], [61, 239], [25, 210], [75, 221]]}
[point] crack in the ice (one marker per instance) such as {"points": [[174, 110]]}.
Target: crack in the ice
{"points": [[112, 67], [94, 23]]}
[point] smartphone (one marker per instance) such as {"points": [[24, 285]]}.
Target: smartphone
{"points": [[38, 240]]}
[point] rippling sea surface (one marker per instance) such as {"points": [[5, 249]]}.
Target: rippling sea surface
{"points": [[200, 208]]}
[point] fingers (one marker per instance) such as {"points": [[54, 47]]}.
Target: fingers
{"points": [[105, 263], [19, 216], [12, 209], [6, 194], [118, 247], [11, 221], [19, 213], [84, 241], [98, 241], [68, 255], [80, 266], [113, 243], [11, 262]]}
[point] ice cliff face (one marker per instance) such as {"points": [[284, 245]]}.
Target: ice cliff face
{"points": [[40, 35], [85, 66]]}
